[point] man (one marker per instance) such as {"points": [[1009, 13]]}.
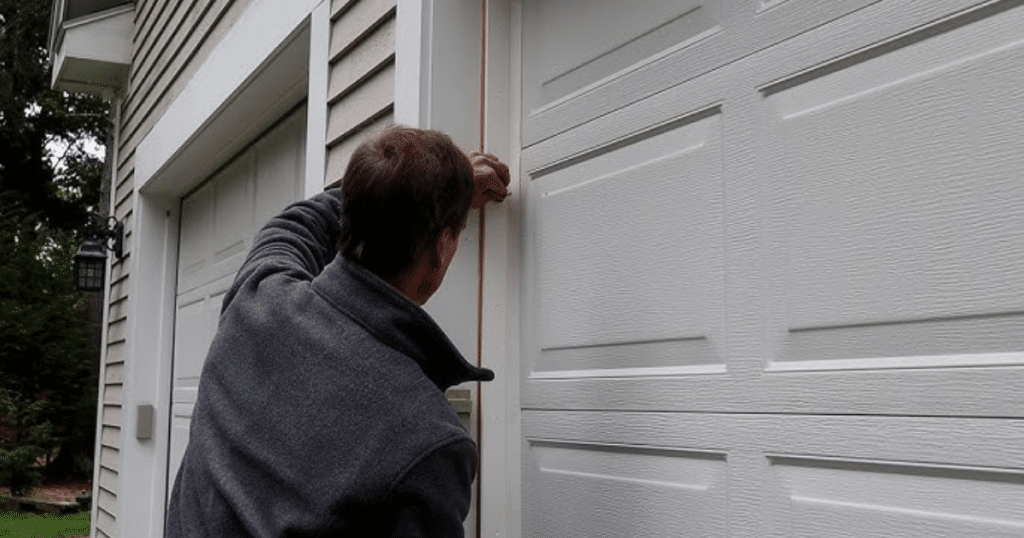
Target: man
{"points": [[321, 408]]}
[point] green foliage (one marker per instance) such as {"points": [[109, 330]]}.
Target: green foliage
{"points": [[43, 132], [49, 185], [32, 439], [47, 362], [18, 525]]}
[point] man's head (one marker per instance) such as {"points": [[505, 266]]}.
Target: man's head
{"points": [[406, 196]]}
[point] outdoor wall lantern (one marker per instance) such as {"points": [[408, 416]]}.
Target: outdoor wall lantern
{"points": [[91, 259]]}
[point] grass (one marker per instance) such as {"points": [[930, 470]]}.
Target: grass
{"points": [[22, 525]]}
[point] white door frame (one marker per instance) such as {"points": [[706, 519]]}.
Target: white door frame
{"points": [[502, 470], [435, 40], [275, 48]]}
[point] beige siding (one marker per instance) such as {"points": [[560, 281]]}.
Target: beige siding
{"points": [[107, 502], [337, 158], [108, 479], [112, 416], [112, 436], [171, 40], [112, 396], [113, 374], [106, 525], [372, 97], [361, 78], [109, 457]]}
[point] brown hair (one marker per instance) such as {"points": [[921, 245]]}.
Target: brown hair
{"points": [[400, 190]]}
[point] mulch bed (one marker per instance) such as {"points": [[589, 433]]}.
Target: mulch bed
{"points": [[60, 492], [49, 497], [57, 498]]}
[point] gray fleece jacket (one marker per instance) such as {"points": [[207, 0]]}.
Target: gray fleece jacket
{"points": [[321, 408]]}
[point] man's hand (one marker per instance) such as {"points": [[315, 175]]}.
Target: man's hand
{"points": [[490, 179]]}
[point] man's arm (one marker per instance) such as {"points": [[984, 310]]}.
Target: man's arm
{"points": [[299, 242], [432, 499]]}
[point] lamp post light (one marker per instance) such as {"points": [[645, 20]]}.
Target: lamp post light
{"points": [[91, 259]]}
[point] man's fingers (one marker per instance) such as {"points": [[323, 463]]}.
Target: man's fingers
{"points": [[492, 161], [503, 172], [491, 176]]}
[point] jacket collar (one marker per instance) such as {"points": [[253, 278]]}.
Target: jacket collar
{"points": [[395, 320]]}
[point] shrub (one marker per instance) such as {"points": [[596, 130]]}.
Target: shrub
{"points": [[20, 453]]}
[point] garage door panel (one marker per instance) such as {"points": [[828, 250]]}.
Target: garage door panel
{"points": [[622, 390], [983, 340], [233, 221], [813, 518], [893, 201], [195, 336], [218, 222], [589, 490], [891, 389], [610, 239], [773, 21], [181, 418], [675, 356], [566, 85], [277, 159], [810, 475], [568, 54], [195, 238], [855, 262], [815, 440], [855, 498], [581, 68]]}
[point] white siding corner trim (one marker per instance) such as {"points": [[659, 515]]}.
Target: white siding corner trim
{"points": [[316, 116], [409, 60]]}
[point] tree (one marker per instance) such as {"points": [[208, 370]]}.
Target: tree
{"points": [[49, 186], [43, 132]]}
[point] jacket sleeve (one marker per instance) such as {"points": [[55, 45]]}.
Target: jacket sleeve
{"points": [[298, 242], [432, 499]]}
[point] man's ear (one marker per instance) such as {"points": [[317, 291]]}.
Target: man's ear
{"points": [[444, 249]]}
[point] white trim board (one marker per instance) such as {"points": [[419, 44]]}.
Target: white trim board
{"points": [[255, 74], [500, 470], [316, 111], [411, 66]]}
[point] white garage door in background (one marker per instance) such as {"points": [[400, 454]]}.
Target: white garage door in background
{"points": [[774, 268], [218, 223]]}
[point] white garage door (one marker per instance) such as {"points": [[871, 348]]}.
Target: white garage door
{"points": [[774, 268], [218, 223]]}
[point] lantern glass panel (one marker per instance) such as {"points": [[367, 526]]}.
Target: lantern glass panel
{"points": [[89, 273]]}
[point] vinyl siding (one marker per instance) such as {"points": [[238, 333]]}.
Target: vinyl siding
{"points": [[171, 40], [361, 88]]}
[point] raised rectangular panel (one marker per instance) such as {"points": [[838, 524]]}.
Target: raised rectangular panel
{"points": [[279, 170], [592, 490], [181, 418], [627, 246], [876, 499], [777, 20], [895, 203], [233, 213], [196, 324], [194, 249], [570, 45]]}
